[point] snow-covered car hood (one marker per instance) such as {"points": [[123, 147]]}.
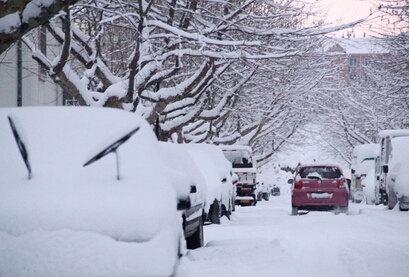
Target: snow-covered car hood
{"points": [[63, 194]]}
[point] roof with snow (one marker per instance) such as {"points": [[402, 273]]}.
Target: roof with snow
{"points": [[357, 46]]}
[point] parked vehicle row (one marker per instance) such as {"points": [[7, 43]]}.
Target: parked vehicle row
{"points": [[103, 171], [382, 170]]}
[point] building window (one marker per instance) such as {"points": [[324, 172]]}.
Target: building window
{"points": [[68, 100], [42, 40], [367, 61], [353, 61]]}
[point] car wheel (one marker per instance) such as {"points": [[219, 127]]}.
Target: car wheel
{"points": [[384, 198], [391, 202], [344, 209], [402, 209], [215, 212], [294, 210], [196, 240], [225, 212]]}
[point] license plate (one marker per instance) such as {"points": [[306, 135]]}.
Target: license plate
{"points": [[244, 201], [323, 195]]}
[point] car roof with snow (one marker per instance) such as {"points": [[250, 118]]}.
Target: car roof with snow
{"points": [[393, 133]]}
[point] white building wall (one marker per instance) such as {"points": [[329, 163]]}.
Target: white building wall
{"points": [[37, 89]]}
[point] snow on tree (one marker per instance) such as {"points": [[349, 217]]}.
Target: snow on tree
{"points": [[216, 71], [18, 17]]}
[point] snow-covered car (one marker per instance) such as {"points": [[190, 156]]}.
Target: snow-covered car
{"points": [[275, 191], [319, 187], [395, 172], [401, 185], [85, 192], [363, 161], [266, 191], [219, 177], [393, 148], [259, 191], [369, 187], [188, 175]]}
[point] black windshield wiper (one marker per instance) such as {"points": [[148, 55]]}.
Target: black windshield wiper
{"points": [[21, 146], [112, 148]]}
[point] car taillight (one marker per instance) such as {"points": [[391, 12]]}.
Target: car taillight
{"points": [[298, 185], [341, 184]]}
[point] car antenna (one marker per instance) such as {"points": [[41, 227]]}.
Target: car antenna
{"points": [[112, 148], [21, 146]]}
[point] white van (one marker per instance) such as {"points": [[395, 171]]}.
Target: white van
{"points": [[363, 161], [394, 150]]}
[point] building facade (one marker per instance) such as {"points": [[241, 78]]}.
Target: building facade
{"points": [[23, 82], [354, 57]]}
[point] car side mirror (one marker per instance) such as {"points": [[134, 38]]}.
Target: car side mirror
{"points": [[193, 189], [290, 181], [224, 180], [352, 171], [385, 168], [183, 204]]}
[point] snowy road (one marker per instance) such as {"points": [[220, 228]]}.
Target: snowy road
{"points": [[265, 241]]}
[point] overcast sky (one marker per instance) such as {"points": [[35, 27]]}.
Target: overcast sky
{"points": [[344, 11]]}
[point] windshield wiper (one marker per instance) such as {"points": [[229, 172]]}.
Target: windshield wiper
{"points": [[21, 146], [112, 148]]}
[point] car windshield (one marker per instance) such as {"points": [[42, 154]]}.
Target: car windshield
{"points": [[324, 172]]}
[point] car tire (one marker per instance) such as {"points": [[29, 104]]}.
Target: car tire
{"points": [[402, 209], [196, 240], [294, 210], [225, 212], [391, 202], [345, 209], [215, 212]]}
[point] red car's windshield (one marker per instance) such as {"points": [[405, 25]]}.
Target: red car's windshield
{"points": [[324, 172]]}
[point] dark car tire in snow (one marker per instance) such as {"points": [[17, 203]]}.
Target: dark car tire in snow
{"points": [[215, 212], [391, 201], [402, 209], [345, 209], [196, 240], [225, 212]]}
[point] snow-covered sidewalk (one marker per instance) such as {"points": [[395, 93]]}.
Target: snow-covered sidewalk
{"points": [[265, 240]]}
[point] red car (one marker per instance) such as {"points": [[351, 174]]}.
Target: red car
{"points": [[319, 187]]}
